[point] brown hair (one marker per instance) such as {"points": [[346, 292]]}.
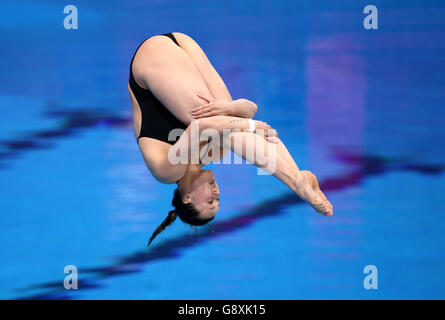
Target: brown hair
{"points": [[185, 211]]}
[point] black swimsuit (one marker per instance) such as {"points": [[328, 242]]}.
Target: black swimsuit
{"points": [[157, 120]]}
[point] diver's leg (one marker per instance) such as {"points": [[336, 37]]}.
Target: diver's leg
{"points": [[275, 159], [167, 70], [307, 174], [211, 77]]}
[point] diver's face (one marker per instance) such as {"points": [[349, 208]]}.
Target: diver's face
{"points": [[204, 194]]}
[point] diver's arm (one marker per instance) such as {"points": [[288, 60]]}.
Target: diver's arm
{"points": [[241, 108], [221, 123], [224, 123], [186, 149], [244, 108]]}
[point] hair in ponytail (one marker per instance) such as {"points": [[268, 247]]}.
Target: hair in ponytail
{"points": [[167, 221], [185, 211]]}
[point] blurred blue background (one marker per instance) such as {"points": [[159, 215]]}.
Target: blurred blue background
{"points": [[363, 109]]}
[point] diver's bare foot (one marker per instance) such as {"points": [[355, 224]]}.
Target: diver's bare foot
{"points": [[318, 200]]}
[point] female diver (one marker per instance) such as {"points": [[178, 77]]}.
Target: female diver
{"points": [[173, 85]]}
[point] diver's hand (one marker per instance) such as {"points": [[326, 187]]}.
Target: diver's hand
{"points": [[212, 108], [266, 131]]}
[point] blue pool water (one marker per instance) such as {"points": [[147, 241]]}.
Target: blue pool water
{"points": [[363, 109]]}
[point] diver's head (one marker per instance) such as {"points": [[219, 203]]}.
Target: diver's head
{"points": [[199, 188], [196, 200]]}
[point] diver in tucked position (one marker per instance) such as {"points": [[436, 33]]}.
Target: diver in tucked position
{"points": [[174, 86]]}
